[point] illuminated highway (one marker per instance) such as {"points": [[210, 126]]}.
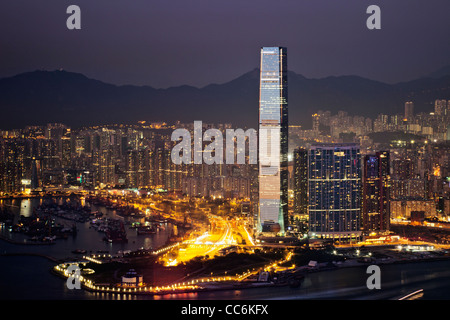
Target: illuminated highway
{"points": [[208, 244], [222, 233]]}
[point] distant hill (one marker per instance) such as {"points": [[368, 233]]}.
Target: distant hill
{"points": [[442, 72], [40, 97]]}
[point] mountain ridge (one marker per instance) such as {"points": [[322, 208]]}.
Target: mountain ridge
{"points": [[39, 97]]}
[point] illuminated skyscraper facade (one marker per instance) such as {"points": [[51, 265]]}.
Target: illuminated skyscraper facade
{"points": [[273, 141], [409, 111], [376, 192], [334, 185], [300, 181]]}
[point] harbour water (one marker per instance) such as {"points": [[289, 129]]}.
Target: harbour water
{"points": [[87, 238]]}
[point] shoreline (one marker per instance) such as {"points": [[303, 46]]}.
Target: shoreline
{"points": [[30, 254], [223, 286], [215, 286], [26, 243]]}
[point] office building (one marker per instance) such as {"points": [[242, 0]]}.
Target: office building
{"points": [[273, 142]]}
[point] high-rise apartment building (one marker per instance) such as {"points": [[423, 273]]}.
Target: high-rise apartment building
{"points": [[334, 186], [440, 107], [300, 187], [409, 111], [376, 192]]}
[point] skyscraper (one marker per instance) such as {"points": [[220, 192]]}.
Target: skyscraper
{"points": [[300, 181], [376, 192], [334, 185], [273, 141], [409, 111], [440, 107]]}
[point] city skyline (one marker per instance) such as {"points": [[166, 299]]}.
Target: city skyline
{"points": [[340, 191], [125, 172]]}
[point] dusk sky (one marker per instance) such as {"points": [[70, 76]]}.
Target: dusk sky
{"points": [[163, 43]]}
